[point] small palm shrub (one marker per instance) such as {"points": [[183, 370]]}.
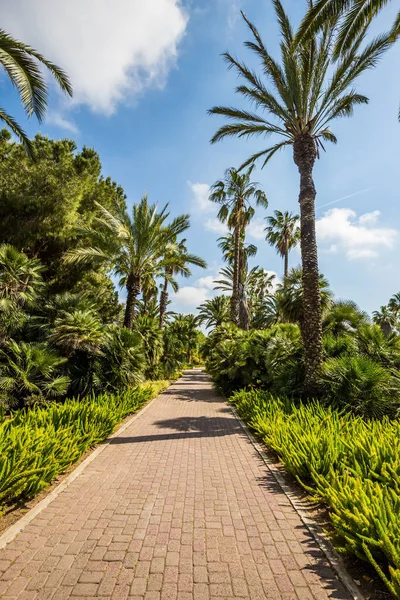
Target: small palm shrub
{"points": [[122, 362], [152, 338], [351, 464], [361, 385], [30, 371]]}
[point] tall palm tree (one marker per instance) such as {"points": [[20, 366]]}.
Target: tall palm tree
{"points": [[307, 92], [176, 261], [283, 232], [235, 194], [22, 65], [130, 245], [214, 312]]}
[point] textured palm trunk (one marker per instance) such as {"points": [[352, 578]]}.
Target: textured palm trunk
{"points": [[235, 300], [286, 265], [244, 312], [311, 326], [163, 302], [133, 290]]}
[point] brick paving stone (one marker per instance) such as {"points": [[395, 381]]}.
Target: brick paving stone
{"points": [[177, 507]]}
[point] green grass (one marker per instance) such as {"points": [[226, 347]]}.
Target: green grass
{"points": [[350, 464], [39, 444]]}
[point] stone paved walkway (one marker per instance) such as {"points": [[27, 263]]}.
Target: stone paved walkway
{"points": [[179, 506]]}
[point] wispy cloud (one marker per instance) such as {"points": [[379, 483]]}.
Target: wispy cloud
{"points": [[343, 198]]}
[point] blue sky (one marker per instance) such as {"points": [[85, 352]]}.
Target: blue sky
{"points": [[144, 76]]}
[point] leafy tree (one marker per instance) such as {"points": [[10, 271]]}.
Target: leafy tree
{"points": [[22, 65], [307, 92], [52, 196], [214, 312], [176, 261], [131, 246], [30, 370], [283, 232], [235, 194]]}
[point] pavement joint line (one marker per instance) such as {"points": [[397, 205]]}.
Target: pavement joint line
{"points": [[11, 533], [315, 530]]}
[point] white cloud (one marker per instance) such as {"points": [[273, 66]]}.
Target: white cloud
{"points": [[255, 229], [200, 194], [55, 118], [111, 51], [190, 295], [358, 237], [215, 225], [206, 282]]}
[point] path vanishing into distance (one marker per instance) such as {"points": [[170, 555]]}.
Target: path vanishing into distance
{"points": [[178, 506]]}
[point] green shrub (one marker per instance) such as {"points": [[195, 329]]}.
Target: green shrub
{"points": [[362, 385], [350, 464]]}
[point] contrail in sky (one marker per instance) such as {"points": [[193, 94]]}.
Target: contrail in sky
{"points": [[344, 198]]}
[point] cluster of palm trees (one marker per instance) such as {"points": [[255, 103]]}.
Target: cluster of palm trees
{"points": [[296, 99], [139, 249]]}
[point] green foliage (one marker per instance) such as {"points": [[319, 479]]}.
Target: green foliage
{"points": [[152, 339], [39, 444], [351, 464], [361, 385], [237, 358], [28, 370]]}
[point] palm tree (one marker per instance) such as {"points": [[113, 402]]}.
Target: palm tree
{"points": [[291, 301], [308, 92], [130, 245], [283, 232], [227, 245], [356, 15], [176, 261], [234, 194], [385, 318], [21, 63], [214, 312]]}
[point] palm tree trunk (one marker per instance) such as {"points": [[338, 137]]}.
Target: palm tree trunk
{"points": [[133, 290], [286, 265], [235, 300], [311, 326], [163, 301]]}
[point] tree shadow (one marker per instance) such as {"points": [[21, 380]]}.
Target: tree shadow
{"points": [[187, 427]]}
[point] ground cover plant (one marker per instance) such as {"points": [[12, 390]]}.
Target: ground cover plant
{"points": [[349, 463]]}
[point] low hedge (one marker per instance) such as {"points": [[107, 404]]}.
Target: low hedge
{"points": [[39, 444], [351, 464]]}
